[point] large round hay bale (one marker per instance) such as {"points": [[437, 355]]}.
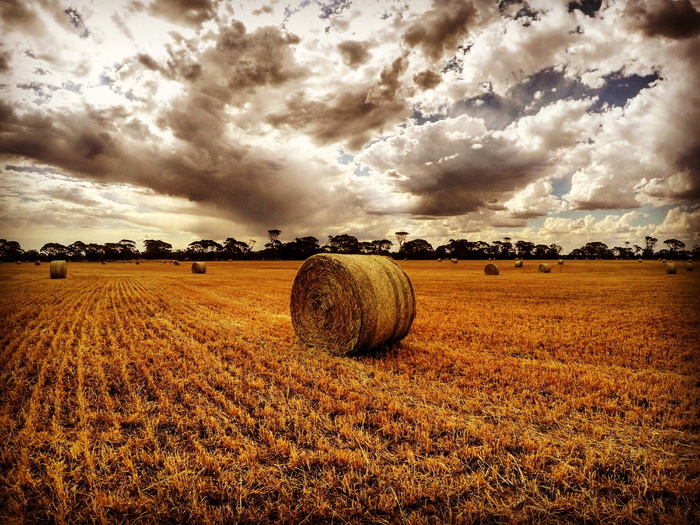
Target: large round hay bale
{"points": [[544, 268], [199, 267], [58, 269], [491, 269], [688, 267], [345, 304], [560, 262], [670, 268], [518, 264]]}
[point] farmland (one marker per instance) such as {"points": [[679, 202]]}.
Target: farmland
{"points": [[148, 394]]}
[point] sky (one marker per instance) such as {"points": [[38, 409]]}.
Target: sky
{"points": [[547, 121]]}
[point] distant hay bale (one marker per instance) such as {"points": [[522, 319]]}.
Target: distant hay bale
{"points": [[199, 267], [104, 262], [37, 263], [176, 263], [560, 262], [58, 269], [439, 260], [663, 261], [670, 268], [640, 260], [345, 304], [491, 269], [454, 261], [137, 262], [518, 264], [544, 268], [688, 267]]}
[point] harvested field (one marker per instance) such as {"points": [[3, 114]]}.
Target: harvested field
{"points": [[144, 394]]}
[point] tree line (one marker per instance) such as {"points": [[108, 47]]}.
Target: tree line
{"points": [[302, 247]]}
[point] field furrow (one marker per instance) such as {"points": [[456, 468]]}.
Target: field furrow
{"points": [[148, 393]]}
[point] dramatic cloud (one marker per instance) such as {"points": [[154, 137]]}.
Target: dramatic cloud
{"points": [[444, 118]]}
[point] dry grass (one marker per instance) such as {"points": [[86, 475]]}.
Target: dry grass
{"points": [[149, 395]]}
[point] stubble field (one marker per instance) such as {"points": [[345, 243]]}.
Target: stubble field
{"points": [[148, 394]]}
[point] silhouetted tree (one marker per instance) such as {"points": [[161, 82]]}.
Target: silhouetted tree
{"points": [[524, 249], [674, 246], [234, 249], [416, 249], [54, 250], [401, 237], [649, 248], [203, 249], [300, 248], [10, 250], [157, 249], [343, 243]]}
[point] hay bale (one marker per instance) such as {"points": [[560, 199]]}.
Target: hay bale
{"points": [[454, 261], [37, 263], [544, 268], [688, 267], [663, 261], [104, 262], [491, 269], [58, 269], [199, 267], [560, 262], [640, 260], [176, 263], [670, 268], [439, 260], [518, 264], [345, 304]]}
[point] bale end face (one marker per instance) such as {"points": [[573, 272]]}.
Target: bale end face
{"points": [[491, 269], [345, 304], [199, 267], [58, 269]]}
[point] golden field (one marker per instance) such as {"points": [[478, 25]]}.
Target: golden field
{"points": [[148, 394]]}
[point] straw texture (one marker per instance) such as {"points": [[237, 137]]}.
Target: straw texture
{"points": [[491, 269], [58, 269], [346, 304]]}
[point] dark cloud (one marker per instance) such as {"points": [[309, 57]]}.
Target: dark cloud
{"points": [[427, 79], [190, 12], [441, 29], [349, 116], [354, 53], [333, 7], [675, 19], [4, 62], [589, 7], [77, 22]]}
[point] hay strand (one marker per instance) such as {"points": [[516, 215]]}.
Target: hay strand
{"points": [[199, 267], [688, 267], [491, 269], [544, 268], [58, 269], [345, 304]]}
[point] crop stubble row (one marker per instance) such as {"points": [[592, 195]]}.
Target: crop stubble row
{"points": [[144, 394]]}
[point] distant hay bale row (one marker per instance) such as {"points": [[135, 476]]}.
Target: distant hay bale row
{"points": [[199, 267], [491, 269], [544, 268], [58, 269], [346, 304]]}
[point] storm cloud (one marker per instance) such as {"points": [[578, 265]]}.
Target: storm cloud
{"points": [[331, 116]]}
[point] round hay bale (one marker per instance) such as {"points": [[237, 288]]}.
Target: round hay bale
{"points": [[104, 262], [688, 267], [137, 262], [58, 269], [670, 268], [544, 268], [518, 264], [37, 263], [199, 267], [491, 269], [176, 263], [454, 261], [640, 260], [345, 304], [439, 260], [663, 261], [560, 262]]}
